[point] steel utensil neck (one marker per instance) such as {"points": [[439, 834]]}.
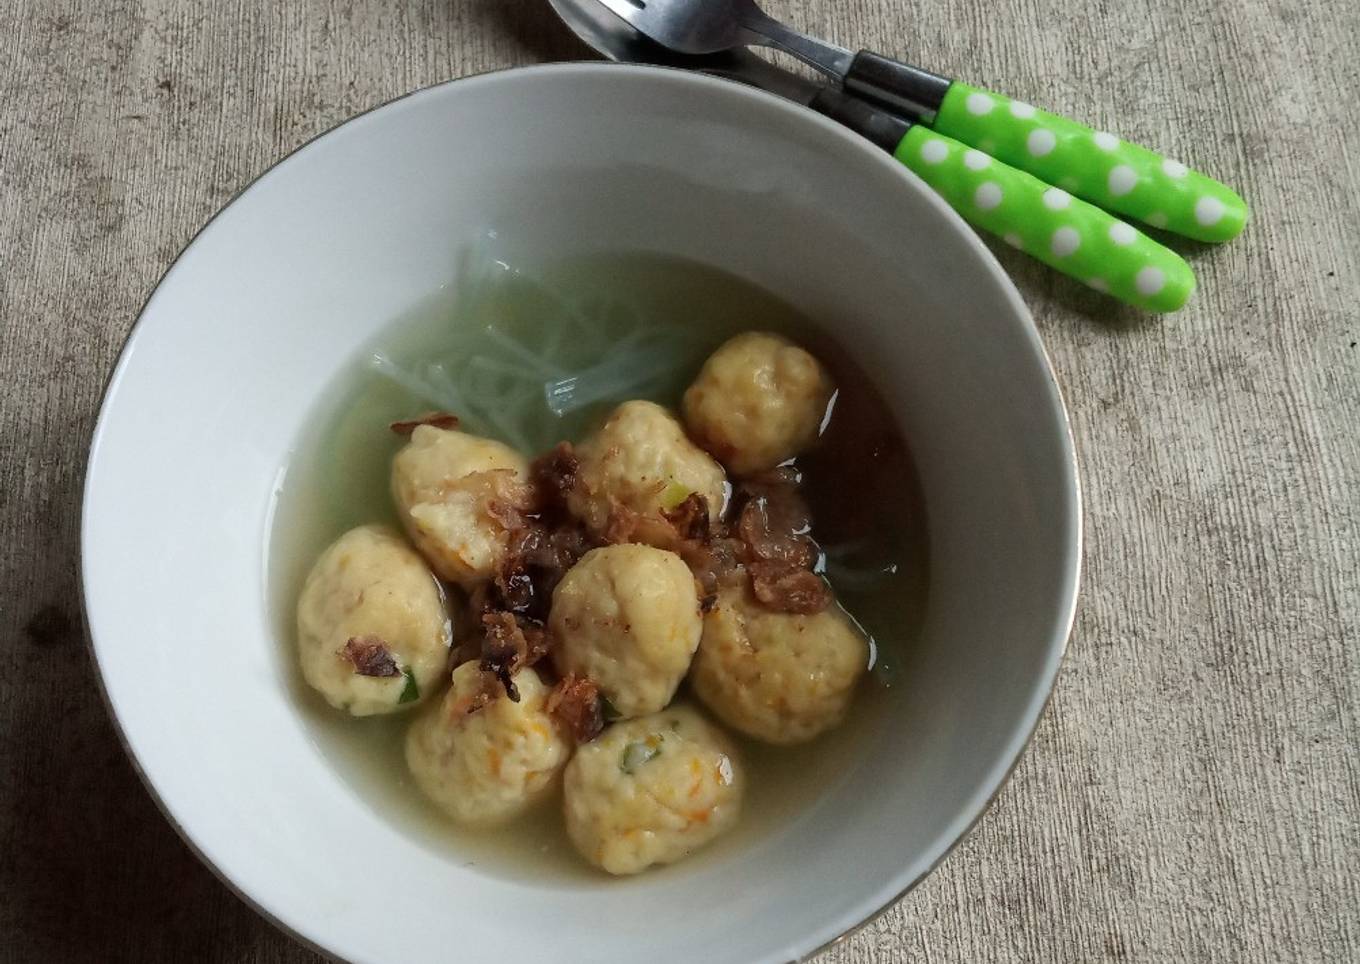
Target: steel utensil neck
{"points": [[830, 59]]}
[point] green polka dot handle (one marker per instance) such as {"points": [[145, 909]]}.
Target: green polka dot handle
{"points": [[1047, 222], [1094, 165]]}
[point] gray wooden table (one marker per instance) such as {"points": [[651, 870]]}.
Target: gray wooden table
{"points": [[1192, 793]]}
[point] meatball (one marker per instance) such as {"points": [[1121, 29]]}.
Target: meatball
{"points": [[372, 624], [481, 757], [628, 617], [759, 400], [652, 790], [641, 460], [779, 677], [458, 496]]}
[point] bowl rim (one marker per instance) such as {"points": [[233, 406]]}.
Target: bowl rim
{"points": [[1064, 622]]}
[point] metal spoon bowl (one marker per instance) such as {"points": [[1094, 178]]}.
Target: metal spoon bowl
{"points": [[608, 34], [711, 26], [616, 39]]}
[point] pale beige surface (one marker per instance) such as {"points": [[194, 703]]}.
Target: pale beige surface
{"points": [[1192, 792]]}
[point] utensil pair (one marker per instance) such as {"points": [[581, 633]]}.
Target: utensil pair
{"points": [[1043, 183]]}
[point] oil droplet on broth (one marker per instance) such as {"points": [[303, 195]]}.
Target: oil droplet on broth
{"points": [[859, 481]]}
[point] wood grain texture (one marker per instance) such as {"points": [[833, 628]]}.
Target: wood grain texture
{"points": [[1192, 794]]}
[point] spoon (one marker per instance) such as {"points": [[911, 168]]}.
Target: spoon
{"points": [[601, 30], [1065, 233], [1094, 165]]}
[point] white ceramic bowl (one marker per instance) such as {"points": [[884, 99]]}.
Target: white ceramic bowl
{"points": [[281, 288]]}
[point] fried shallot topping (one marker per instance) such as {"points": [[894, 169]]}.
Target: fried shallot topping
{"points": [[622, 525], [553, 476], [775, 521], [501, 495], [435, 419], [765, 540], [487, 691], [543, 543], [773, 526], [715, 563], [769, 542], [789, 590], [508, 646], [576, 704], [670, 529], [626, 524], [370, 656], [537, 559], [689, 518]]}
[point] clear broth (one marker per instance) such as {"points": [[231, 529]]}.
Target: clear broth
{"points": [[859, 480]]}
